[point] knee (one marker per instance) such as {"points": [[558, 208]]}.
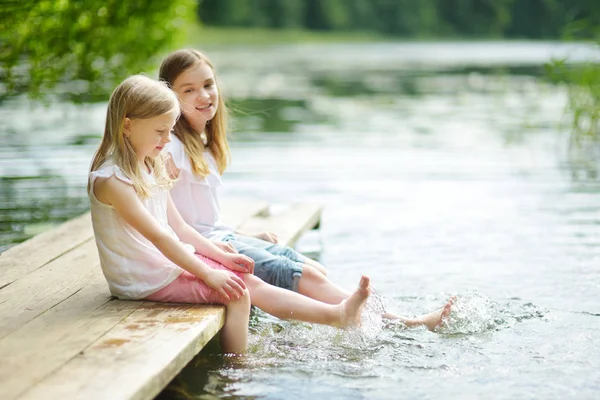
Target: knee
{"points": [[320, 268], [317, 265], [241, 304], [312, 273], [245, 299]]}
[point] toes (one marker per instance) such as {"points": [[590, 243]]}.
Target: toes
{"points": [[364, 282], [446, 310]]}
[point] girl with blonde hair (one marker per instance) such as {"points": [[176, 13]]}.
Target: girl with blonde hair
{"points": [[199, 154], [147, 251]]}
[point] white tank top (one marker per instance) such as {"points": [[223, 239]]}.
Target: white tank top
{"points": [[196, 197], [133, 267]]}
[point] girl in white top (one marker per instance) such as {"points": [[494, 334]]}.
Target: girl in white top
{"points": [[199, 154], [146, 249]]}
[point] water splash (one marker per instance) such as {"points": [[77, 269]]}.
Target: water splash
{"points": [[273, 339], [474, 313]]}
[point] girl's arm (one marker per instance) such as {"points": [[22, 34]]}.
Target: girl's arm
{"points": [[127, 204], [207, 248]]}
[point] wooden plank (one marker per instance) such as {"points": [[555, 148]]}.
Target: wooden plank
{"points": [[288, 224], [236, 211], [136, 359], [30, 296], [38, 251], [84, 341], [40, 347]]}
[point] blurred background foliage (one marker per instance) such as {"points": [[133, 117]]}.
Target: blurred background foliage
{"points": [[583, 84], [91, 42], [536, 19]]}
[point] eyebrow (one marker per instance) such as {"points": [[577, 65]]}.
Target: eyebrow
{"points": [[192, 84]]}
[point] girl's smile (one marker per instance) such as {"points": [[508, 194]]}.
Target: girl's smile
{"points": [[207, 111], [197, 90]]}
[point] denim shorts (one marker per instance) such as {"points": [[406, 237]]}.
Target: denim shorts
{"points": [[277, 265]]}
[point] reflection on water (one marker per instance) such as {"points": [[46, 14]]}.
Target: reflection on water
{"points": [[271, 115], [439, 177], [32, 204]]}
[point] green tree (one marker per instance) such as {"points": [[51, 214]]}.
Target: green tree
{"points": [[230, 12], [327, 15], [94, 43], [406, 17], [283, 13], [476, 17]]}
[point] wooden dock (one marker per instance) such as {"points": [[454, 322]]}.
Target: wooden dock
{"points": [[62, 336]]}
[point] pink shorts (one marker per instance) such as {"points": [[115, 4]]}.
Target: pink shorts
{"points": [[187, 288]]}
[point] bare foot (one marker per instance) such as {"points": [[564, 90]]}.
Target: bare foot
{"points": [[350, 309], [434, 320]]}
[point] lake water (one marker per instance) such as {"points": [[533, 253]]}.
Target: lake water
{"points": [[442, 170]]}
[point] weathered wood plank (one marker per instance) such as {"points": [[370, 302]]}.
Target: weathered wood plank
{"points": [[38, 251], [79, 342], [30, 296], [40, 347], [288, 224], [235, 212], [136, 359]]}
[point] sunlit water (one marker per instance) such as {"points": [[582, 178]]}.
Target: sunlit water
{"points": [[442, 171]]}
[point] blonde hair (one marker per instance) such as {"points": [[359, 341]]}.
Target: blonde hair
{"points": [[137, 97], [216, 131]]}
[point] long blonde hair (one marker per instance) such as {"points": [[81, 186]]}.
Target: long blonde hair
{"points": [[137, 97], [216, 131]]}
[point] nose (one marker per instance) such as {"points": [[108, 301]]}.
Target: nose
{"points": [[203, 95], [167, 137]]}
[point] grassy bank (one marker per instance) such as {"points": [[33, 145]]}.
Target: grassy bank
{"points": [[230, 36], [212, 36]]}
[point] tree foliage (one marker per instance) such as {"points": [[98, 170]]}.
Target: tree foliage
{"points": [[91, 42], [408, 18]]}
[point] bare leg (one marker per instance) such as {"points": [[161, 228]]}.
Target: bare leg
{"points": [[317, 286], [432, 321], [317, 265], [286, 304], [234, 335]]}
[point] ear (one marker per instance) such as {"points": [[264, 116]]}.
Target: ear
{"points": [[127, 127]]}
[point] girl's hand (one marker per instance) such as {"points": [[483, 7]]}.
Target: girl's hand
{"points": [[239, 262], [267, 236], [227, 284], [226, 247]]}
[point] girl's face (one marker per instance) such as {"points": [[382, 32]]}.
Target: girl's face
{"points": [[198, 93], [149, 136]]}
